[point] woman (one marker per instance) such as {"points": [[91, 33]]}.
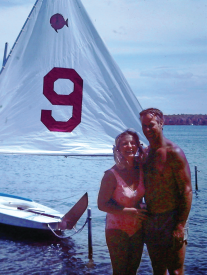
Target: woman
{"points": [[121, 191]]}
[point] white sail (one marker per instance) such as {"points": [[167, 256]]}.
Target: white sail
{"points": [[61, 93]]}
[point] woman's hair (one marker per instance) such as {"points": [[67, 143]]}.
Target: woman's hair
{"points": [[121, 162], [128, 132], [154, 112]]}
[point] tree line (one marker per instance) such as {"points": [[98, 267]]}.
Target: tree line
{"points": [[184, 119]]}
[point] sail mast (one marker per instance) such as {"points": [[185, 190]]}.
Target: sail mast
{"points": [[5, 55]]}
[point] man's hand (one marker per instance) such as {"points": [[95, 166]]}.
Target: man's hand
{"points": [[178, 237]]}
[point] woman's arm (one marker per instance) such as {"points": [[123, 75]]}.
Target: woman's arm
{"points": [[105, 201]]}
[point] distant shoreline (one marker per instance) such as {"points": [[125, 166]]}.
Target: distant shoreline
{"points": [[185, 119]]}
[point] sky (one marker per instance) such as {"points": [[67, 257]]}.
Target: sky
{"points": [[160, 46]]}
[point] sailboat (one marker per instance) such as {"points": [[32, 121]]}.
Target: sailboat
{"points": [[61, 93]]}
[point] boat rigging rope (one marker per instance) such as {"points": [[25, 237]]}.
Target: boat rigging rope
{"points": [[76, 231]]}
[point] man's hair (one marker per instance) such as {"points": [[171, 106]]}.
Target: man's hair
{"points": [[154, 112]]}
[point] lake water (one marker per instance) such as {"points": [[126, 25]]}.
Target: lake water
{"points": [[58, 182]]}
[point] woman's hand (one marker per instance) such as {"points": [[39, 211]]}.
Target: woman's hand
{"points": [[141, 214]]}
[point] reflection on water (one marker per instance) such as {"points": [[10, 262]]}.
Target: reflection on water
{"points": [[59, 182]]}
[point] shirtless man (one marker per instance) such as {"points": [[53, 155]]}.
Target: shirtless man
{"points": [[168, 197]]}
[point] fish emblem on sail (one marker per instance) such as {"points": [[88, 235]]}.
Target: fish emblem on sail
{"points": [[57, 22]]}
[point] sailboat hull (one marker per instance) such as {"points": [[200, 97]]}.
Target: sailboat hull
{"points": [[26, 213]]}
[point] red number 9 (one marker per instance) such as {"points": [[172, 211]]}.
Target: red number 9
{"points": [[73, 99]]}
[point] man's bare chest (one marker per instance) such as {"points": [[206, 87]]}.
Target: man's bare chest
{"points": [[157, 166]]}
